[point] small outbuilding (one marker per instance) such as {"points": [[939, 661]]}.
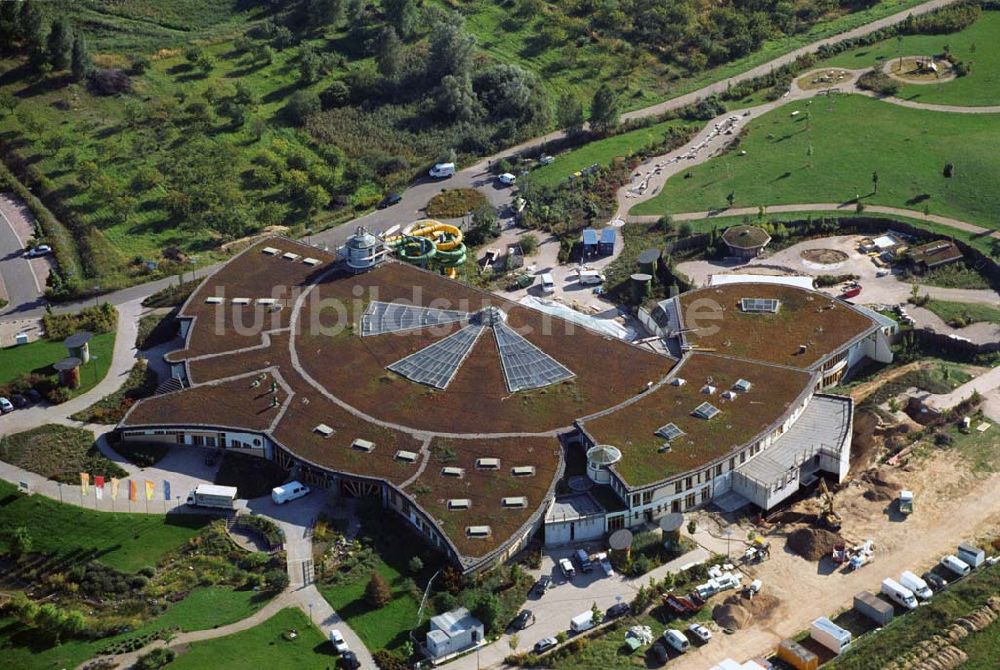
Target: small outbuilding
{"points": [[606, 247], [797, 656], [745, 241], [78, 345], [453, 632], [934, 255], [589, 241], [873, 607], [69, 372]]}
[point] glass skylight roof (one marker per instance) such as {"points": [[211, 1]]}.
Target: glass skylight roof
{"points": [[669, 432], [436, 365], [760, 305], [391, 317], [706, 410], [524, 365]]}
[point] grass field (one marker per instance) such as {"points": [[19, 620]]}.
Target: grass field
{"points": [[38, 357], [964, 312], [975, 45], [604, 151], [206, 608], [57, 452], [983, 648], [828, 153], [265, 644], [123, 541]]}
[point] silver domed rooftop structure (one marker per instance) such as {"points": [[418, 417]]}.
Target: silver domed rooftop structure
{"points": [[363, 251], [599, 459]]}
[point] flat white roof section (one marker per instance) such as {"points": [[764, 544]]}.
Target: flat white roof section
{"points": [[270, 251], [784, 280], [488, 463], [323, 430], [408, 456], [514, 502], [459, 503], [215, 300], [478, 531], [266, 301], [523, 471], [290, 256], [310, 261], [363, 445], [241, 301], [452, 472]]}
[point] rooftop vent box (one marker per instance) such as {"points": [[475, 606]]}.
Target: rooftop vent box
{"points": [[311, 261], [363, 445], [677, 381], [407, 456], [215, 300], [459, 503], [515, 502], [708, 389], [266, 301], [742, 385], [523, 471], [478, 531], [452, 472], [729, 395], [241, 301], [290, 256], [488, 463], [270, 251], [323, 430]]}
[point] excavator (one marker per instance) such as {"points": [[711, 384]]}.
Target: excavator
{"points": [[829, 516]]}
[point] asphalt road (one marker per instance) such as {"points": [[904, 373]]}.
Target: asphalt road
{"points": [[22, 290]]}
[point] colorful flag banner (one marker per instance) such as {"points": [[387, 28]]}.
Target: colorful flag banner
{"points": [[150, 489], [84, 483], [133, 493], [166, 490], [99, 487], [114, 488]]}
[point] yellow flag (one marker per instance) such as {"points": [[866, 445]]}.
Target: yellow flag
{"points": [[84, 482], [150, 488], [114, 488]]}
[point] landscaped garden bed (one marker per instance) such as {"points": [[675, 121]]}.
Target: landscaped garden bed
{"points": [[58, 452]]}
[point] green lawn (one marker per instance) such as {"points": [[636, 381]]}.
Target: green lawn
{"points": [[966, 312], [266, 645], [123, 541], [38, 357], [976, 45], [828, 153], [983, 648], [604, 151], [207, 607]]}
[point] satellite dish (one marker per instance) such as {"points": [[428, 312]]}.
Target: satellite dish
{"points": [[620, 540], [672, 522]]}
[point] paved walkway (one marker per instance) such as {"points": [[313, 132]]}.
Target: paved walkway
{"points": [[983, 384]]}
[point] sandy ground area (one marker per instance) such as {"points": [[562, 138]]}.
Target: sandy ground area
{"points": [[10, 328]]}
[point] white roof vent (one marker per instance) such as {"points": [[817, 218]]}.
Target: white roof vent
{"points": [[363, 445], [678, 381], [270, 251], [478, 531], [523, 471], [323, 430], [459, 503], [215, 300], [742, 385], [488, 463], [708, 389], [266, 301], [241, 301], [729, 395], [311, 261], [290, 256], [407, 456], [514, 502], [452, 472]]}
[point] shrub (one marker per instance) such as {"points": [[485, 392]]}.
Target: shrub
{"points": [[277, 580], [387, 660], [415, 565], [878, 81], [301, 106], [110, 82], [377, 592], [155, 659], [529, 244]]}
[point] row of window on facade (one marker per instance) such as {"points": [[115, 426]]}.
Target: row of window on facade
{"points": [[677, 505]]}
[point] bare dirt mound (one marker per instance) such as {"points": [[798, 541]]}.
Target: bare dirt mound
{"points": [[813, 543], [731, 616], [824, 256], [882, 485]]}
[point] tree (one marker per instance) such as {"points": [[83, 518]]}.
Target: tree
{"points": [[451, 50], [377, 593], [87, 173], [50, 619], [59, 44], [666, 222], [80, 63], [685, 229], [30, 24], [596, 615], [605, 109], [389, 54], [316, 198], [415, 565], [731, 198], [21, 541], [569, 114], [455, 100], [488, 610], [310, 66], [529, 244], [403, 15], [325, 12], [506, 91], [301, 105], [8, 101], [949, 170]]}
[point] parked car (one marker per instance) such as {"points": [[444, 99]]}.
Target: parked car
{"points": [[19, 400], [507, 179], [33, 395], [935, 581], [338, 641], [583, 560], [40, 250], [442, 170], [659, 652], [602, 559], [567, 568], [349, 661], [545, 644], [676, 639], [523, 619], [700, 632], [545, 159], [389, 200], [543, 584], [617, 610], [6, 406]]}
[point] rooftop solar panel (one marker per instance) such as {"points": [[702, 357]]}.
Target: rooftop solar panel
{"points": [[706, 410], [390, 317], [525, 366], [669, 432], [436, 364], [760, 305]]}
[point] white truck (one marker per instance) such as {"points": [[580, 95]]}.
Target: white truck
{"points": [[916, 584], [442, 170], [210, 495], [898, 593]]}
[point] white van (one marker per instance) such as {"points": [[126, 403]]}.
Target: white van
{"points": [[548, 283], [442, 170], [589, 277], [582, 622], [290, 491], [916, 584], [957, 566], [567, 568], [676, 639], [898, 593]]}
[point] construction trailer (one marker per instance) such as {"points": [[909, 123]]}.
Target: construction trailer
{"points": [[797, 656], [830, 635], [873, 607], [971, 555]]}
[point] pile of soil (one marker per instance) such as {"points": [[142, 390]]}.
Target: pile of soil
{"points": [[824, 256], [813, 543], [761, 605], [882, 485], [731, 616]]}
